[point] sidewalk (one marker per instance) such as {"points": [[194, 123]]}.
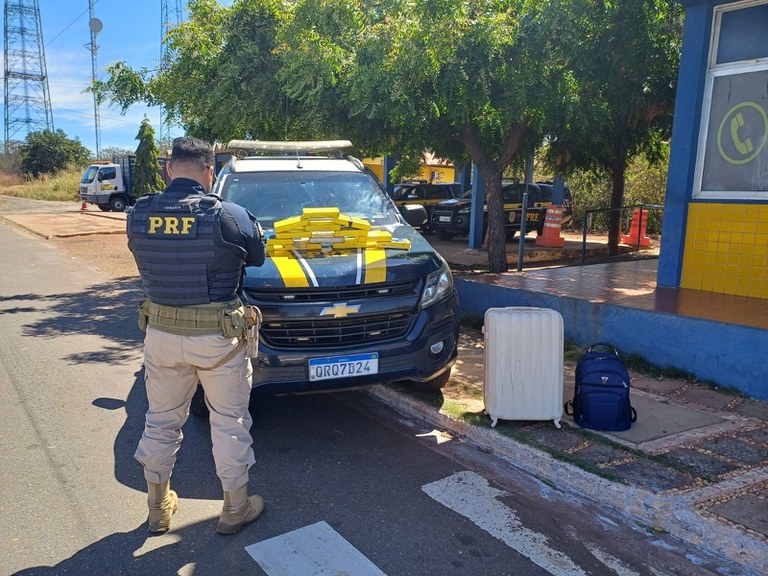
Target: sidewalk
{"points": [[695, 464], [71, 223]]}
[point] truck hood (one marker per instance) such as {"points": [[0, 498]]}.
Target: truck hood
{"points": [[413, 260], [455, 202]]}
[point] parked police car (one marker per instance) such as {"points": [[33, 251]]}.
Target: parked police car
{"points": [[425, 194], [351, 294], [452, 217]]}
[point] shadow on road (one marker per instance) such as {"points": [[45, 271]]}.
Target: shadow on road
{"points": [[183, 551], [107, 310]]}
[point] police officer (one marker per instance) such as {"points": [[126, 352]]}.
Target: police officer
{"points": [[191, 248]]}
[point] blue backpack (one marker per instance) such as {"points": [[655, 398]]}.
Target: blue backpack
{"points": [[601, 397]]}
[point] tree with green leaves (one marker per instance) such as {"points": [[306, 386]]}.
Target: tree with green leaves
{"points": [[110, 152], [623, 58], [469, 80], [47, 152], [220, 81], [146, 178]]}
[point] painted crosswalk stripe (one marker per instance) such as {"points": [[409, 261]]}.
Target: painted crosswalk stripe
{"points": [[470, 495], [315, 550]]}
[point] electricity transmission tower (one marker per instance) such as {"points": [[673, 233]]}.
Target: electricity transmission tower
{"points": [[95, 26], [27, 100], [171, 15]]}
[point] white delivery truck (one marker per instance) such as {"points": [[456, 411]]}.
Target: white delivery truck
{"points": [[109, 185]]}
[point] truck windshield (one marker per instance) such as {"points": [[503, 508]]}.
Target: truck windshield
{"points": [[90, 174], [272, 196]]}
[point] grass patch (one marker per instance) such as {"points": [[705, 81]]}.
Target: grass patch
{"points": [[7, 180], [64, 186], [470, 390], [457, 410]]}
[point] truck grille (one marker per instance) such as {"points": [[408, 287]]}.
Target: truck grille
{"points": [[392, 319], [322, 332], [443, 210], [331, 294]]}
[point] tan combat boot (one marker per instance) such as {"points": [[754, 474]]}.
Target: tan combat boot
{"points": [[239, 510], [163, 503]]}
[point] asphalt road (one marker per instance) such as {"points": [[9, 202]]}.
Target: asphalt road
{"points": [[351, 487]]}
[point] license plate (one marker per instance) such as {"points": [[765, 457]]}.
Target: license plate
{"points": [[444, 218], [343, 366]]}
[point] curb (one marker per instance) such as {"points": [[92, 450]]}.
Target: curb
{"points": [[29, 229], [672, 513], [61, 229]]}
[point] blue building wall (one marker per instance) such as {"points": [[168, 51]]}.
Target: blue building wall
{"points": [[682, 159]]}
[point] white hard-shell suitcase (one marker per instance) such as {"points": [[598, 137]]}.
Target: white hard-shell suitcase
{"points": [[523, 364]]}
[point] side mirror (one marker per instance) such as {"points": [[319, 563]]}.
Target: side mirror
{"points": [[414, 214]]}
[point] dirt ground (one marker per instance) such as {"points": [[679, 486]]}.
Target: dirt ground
{"points": [[105, 252]]}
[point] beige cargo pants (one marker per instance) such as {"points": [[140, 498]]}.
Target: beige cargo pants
{"points": [[173, 365]]}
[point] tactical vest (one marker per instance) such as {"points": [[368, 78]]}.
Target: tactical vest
{"points": [[182, 258]]}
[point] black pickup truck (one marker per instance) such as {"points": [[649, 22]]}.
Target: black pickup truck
{"points": [[452, 217], [425, 194]]}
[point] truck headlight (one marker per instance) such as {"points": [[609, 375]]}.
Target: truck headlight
{"points": [[466, 210], [438, 285]]}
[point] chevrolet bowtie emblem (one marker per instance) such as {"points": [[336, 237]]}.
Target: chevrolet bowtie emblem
{"points": [[339, 310]]}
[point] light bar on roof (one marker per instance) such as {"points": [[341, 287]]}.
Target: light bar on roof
{"points": [[289, 146]]}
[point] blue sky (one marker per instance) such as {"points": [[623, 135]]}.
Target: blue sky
{"points": [[131, 32]]}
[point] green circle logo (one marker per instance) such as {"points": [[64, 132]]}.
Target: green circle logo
{"points": [[740, 125]]}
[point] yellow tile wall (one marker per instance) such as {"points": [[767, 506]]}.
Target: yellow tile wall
{"points": [[726, 249]]}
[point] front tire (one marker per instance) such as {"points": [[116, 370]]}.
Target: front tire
{"points": [[117, 204], [435, 384], [443, 235]]}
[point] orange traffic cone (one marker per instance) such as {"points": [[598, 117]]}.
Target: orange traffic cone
{"points": [[84, 207], [550, 234], [636, 236]]}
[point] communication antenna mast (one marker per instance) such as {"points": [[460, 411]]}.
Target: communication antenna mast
{"points": [[171, 15], [27, 100], [95, 26]]}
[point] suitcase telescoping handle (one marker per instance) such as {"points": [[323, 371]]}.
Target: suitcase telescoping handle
{"points": [[610, 347]]}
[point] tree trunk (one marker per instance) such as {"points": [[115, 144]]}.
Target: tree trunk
{"points": [[492, 170], [617, 200], [497, 245]]}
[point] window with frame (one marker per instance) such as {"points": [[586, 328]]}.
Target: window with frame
{"points": [[108, 173], [733, 141]]}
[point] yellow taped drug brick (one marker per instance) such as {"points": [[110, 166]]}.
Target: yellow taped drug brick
{"points": [[360, 223], [313, 226], [321, 212], [399, 244], [379, 235], [287, 224]]}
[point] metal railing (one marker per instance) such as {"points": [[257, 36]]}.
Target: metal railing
{"points": [[642, 207]]}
